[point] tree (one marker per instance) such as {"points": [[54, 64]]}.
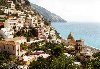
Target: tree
{"points": [[95, 62], [24, 46], [4, 60], [61, 62], [96, 55], [57, 51], [39, 64]]}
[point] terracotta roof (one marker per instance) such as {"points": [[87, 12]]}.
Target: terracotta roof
{"points": [[10, 16], [70, 36], [14, 39], [72, 40], [8, 42]]}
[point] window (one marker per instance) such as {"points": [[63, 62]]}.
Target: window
{"points": [[4, 46], [14, 23], [35, 24], [13, 47]]}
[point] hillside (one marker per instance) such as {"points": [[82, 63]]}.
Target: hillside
{"points": [[47, 14], [22, 12]]}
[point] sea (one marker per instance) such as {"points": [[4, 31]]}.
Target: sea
{"points": [[89, 32]]}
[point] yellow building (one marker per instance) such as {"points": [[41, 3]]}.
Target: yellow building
{"points": [[10, 47]]}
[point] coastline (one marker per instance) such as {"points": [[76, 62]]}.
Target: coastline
{"points": [[85, 32], [93, 49]]}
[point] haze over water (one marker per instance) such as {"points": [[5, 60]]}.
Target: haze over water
{"points": [[90, 32]]}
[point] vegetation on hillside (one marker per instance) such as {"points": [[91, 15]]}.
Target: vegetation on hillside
{"points": [[27, 32], [56, 60], [3, 2], [6, 59], [94, 63], [60, 62]]}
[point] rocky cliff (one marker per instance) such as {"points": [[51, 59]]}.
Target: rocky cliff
{"points": [[47, 14]]}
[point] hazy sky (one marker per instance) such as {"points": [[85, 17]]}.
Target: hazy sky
{"points": [[73, 10]]}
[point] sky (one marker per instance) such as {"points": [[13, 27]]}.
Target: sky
{"points": [[73, 10]]}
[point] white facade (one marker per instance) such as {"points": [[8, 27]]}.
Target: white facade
{"points": [[53, 36], [20, 23], [7, 32], [11, 8], [11, 22], [36, 22]]}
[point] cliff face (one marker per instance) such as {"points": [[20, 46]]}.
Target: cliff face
{"points": [[47, 14]]}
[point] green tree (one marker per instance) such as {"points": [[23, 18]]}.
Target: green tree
{"points": [[57, 51], [94, 63], [24, 46], [61, 62], [39, 64]]}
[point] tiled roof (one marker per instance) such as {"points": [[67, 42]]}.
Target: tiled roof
{"points": [[14, 39], [72, 40], [8, 42]]}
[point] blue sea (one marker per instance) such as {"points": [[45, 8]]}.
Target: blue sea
{"points": [[90, 32]]}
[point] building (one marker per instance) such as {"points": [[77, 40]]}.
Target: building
{"points": [[17, 39], [27, 23], [47, 32], [2, 8], [80, 42], [10, 47], [7, 32], [71, 40], [79, 45], [38, 24], [40, 32], [11, 8], [44, 55], [20, 23], [28, 59], [1, 25], [34, 22], [11, 22]]}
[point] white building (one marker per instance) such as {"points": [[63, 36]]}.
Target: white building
{"points": [[11, 22], [7, 32], [37, 21], [53, 36], [44, 55], [20, 23], [46, 31], [11, 8]]}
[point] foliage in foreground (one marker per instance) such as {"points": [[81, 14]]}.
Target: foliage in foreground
{"points": [[57, 60], [61, 62], [95, 62], [5, 59]]}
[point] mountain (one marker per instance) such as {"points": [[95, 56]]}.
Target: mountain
{"points": [[47, 14]]}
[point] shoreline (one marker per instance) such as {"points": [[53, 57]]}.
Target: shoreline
{"points": [[93, 49]]}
